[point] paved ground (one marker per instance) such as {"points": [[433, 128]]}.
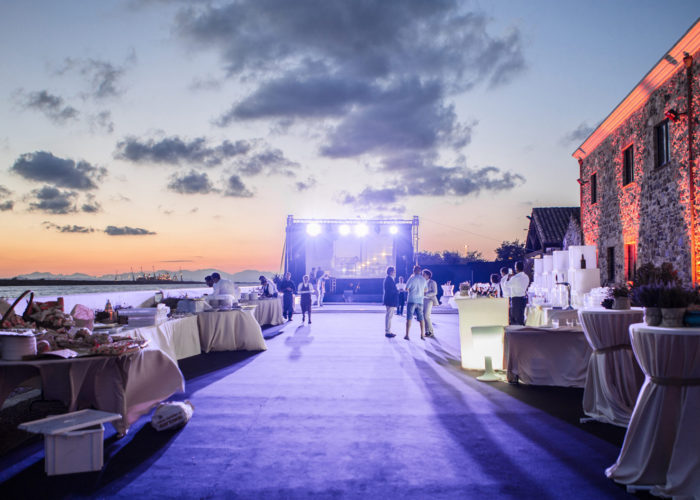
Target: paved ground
{"points": [[337, 410]]}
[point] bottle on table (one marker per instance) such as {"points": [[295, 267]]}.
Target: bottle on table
{"points": [[109, 310], [583, 262]]}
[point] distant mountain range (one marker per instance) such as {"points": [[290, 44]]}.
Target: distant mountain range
{"points": [[247, 276]]}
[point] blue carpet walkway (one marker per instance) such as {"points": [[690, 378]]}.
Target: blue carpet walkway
{"points": [[336, 410]]}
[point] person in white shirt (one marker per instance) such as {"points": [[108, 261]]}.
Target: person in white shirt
{"points": [[224, 286], [268, 287], [429, 300], [517, 290], [321, 288], [305, 290], [415, 288]]}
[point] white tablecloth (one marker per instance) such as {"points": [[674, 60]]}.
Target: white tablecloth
{"points": [[268, 311], [662, 444], [546, 356], [129, 385], [614, 377], [543, 315], [230, 331], [178, 338]]}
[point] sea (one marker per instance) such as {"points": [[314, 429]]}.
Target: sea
{"points": [[11, 292]]}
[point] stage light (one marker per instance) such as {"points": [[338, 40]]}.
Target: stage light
{"points": [[361, 230], [313, 229], [344, 230], [393, 230]]}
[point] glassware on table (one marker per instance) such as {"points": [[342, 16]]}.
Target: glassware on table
{"points": [[555, 323], [571, 322]]}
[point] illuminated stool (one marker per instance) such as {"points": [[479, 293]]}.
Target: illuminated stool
{"points": [[477, 342]]}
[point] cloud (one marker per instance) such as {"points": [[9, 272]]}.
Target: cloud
{"points": [[175, 150], [126, 231], [53, 200], [192, 182], [236, 188], [45, 167], [306, 185], [103, 77], [270, 162], [91, 205], [102, 121], [52, 106], [578, 135], [410, 116], [68, 228], [375, 79], [427, 179], [205, 84], [5, 205]]}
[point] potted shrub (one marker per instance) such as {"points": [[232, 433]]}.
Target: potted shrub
{"points": [[647, 296], [673, 301], [621, 297], [607, 303]]}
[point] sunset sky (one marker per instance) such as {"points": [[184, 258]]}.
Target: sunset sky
{"points": [[181, 134]]}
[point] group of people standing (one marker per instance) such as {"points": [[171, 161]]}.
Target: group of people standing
{"points": [[311, 284], [420, 294]]}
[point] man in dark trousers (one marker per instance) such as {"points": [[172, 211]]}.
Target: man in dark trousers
{"points": [[390, 300], [517, 290], [287, 288]]}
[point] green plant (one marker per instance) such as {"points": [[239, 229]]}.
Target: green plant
{"points": [[649, 274], [674, 297], [607, 303], [620, 291], [646, 295]]}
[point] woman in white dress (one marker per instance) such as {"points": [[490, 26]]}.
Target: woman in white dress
{"points": [[429, 300]]}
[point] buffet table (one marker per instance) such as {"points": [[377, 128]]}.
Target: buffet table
{"points": [[236, 330], [178, 338], [129, 385], [663, 438], [614, 377], [268, 311], [543, 315], [546, 356]]}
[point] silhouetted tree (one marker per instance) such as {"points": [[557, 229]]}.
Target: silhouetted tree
{"points": [[511, 250]]}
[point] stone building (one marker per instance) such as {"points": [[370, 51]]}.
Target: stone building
{"points": [[639, 171]]}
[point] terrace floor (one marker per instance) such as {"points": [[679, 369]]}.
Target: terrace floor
{"points": [[336, 410]]}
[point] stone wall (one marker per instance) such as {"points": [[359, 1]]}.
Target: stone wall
{"points": [[653, 211]]}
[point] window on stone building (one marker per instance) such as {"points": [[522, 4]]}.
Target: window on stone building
{"points": [[630, 261], [628, 165], [611, 264], [663, 154], [594, 189]]}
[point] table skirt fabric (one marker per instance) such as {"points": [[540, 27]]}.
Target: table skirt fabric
{"points": [[178, 338], [129, 385], [662, 444], [268, 311], [230, 331], [614, 377], [538, 356]]}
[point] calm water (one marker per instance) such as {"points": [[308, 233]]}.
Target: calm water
{"points": [[41, 291]]}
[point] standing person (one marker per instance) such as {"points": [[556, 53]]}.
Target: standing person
{"points": [[517, 288], [306, 289], [429, 300], [401, 286], [287, 288], [415, 289], [505, 291], [268, 287], [321, 287], [390, 300]]}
